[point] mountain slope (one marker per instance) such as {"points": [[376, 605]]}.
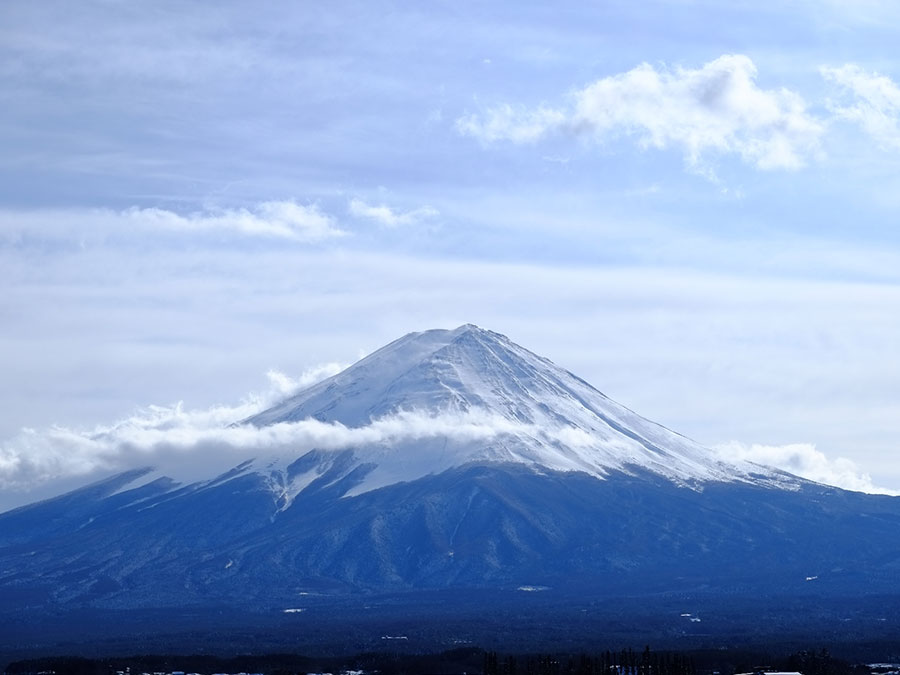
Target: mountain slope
{"points": [[501, 526]]}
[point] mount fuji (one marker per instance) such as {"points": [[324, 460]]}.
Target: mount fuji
{"points": [[498, 404], [466, 465]]}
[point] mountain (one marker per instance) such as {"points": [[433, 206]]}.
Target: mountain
{"points": [[465, 468], [528, 411]]}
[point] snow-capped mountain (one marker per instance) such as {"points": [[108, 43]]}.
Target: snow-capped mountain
{"points": [[450, 460], [469, 395]]}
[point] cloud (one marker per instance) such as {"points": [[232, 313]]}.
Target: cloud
{"points": [[874, 104], [519, 124], [389, 217], [280, 219], [717, 109], [804, 460], [195, 444], [282, 385], [35, 457]]}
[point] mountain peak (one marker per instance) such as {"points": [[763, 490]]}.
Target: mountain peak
{"points": [[434, 339], [469, 328], [524, 408], [421, 370]]}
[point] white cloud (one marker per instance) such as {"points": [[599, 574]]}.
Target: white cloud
{"points": [[389, 217], [281, 219], [35, 457], [875, 103], [281, 385], [506, 123], [804, 460], [717, 109], [195, 444]]}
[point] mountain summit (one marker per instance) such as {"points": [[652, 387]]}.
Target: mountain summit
{"points": [[496, 402]]}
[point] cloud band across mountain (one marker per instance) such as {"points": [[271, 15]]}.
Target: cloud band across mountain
{"points": [[193, 444]]}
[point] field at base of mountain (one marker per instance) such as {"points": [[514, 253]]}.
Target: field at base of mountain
{"points": [[862, 628]]}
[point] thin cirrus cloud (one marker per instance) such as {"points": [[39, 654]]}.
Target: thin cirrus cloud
{"points": [[715, 110], [868, 99], [388, 217]]}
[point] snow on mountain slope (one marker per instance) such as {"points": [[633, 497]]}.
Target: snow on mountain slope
{"points": [[519, 407]]}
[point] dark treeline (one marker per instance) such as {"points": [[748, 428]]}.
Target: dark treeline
{"points": [[625, 662], [818, 662], [647, 662], [468, 660], [445, 663]]}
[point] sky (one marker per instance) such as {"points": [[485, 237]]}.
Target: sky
{"points": [[693, 205]]}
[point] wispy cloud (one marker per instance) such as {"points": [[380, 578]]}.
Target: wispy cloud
{"points": [[273, 220], [870, 100], [389, 217], [803, 459], [717, 109], [281, 219], [282, 385], [518, 124]]}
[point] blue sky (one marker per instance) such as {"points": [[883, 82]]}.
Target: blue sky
{"points": [[692, 205]]}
